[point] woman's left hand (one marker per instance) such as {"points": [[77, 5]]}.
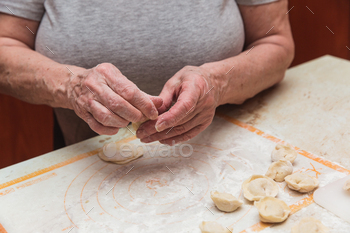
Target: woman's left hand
{"points": [[196, 96]]}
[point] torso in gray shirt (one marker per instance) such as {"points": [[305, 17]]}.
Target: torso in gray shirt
{"points": [[148, 40]]}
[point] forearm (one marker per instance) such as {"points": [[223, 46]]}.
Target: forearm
{"points": [[253, 71], [32, 77]]}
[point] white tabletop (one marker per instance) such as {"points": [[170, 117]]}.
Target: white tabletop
{"points": [[309, 109]]}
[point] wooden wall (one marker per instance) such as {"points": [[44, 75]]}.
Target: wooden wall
{"points": [[26, 130], [312, 38]]}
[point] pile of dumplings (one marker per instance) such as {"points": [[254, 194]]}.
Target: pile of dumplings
{"points": [[263, 189]]}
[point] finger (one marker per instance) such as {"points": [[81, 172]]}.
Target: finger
{"points": [[184, 137], [174, 131], [105, 117], [132, 94], [185, 104], [148, 128], [157, 101], [97, 127], [118, 105], [167, 95]]}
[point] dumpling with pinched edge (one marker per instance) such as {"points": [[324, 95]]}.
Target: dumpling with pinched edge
{"points": [[272, 210], [346, 187], [259, 186], [225, 202], [283, 152], [212, 227], [309, 225], [120, 153], [279, 170], [301, 182]]}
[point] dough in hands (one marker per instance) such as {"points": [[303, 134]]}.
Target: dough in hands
{"points": [[279, 170], [347, 186], [272, 210], [120, 153], [225, 202], [136, 125], [259, 186], [212, 227], [283, 152], [310, 225], [301, 182]]}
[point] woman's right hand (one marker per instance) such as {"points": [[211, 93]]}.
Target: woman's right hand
{"points": [[105, 99]]}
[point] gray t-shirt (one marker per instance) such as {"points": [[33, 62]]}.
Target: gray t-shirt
{"points": [[148, 40]]}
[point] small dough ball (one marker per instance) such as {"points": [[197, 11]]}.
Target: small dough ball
{"points": [[279, 170], [310, 225], [283, 152], [212, 227], [301, 182], [259, 186], [272, 210], [120, 153], [347, 185], [225, 202]]}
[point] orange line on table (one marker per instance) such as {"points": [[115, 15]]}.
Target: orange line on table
{"points": [[7, 191], [53, 167], [277, 140], [294, 208], [2, 229], [65, 195]]}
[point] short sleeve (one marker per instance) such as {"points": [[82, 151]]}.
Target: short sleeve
{"points": [[254, 2], [29, 9]]}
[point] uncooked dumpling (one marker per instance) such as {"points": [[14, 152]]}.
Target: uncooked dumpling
{"points": [[310, 225], [283, 152], [272, 210], [225, 202], [279, 170], [136, 125], [120, 153], [301, 182], [259, 186], [347, 186], [212, 227]]}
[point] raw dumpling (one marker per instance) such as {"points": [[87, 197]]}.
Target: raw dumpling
{"points": [[120, 153], [212, 227], [283, 152], [310, 225], [347, 186], [272, 210], [225, 202], [259, 186], [279, 170], [301, 182]]}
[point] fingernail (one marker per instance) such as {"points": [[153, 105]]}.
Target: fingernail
{"points": [[154, 114], [160, 127]]}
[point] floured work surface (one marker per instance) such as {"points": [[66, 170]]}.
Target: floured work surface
{"points": [[164, 191]]}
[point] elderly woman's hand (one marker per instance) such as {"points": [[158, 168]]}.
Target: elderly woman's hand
{"points": [[107, 100], [196, 95]]}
